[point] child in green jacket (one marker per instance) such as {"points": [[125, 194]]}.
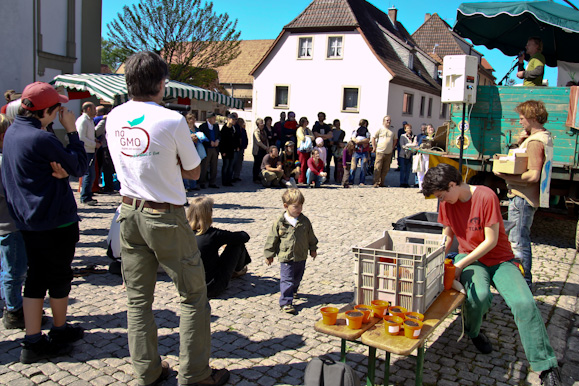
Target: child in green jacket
{"points": [[290, 238]]}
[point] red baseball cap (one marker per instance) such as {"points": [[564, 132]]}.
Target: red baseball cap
{"points": [[42, 95]]}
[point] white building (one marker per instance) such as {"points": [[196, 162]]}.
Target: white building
{"points": [[352, 61], [43, 39]]}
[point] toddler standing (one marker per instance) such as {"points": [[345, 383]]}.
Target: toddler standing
{"points": [[290, 239]]}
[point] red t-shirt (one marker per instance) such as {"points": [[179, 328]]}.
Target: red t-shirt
{"points": [[468, 220]]}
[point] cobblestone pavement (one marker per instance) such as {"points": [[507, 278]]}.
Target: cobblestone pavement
{"points": [[261, 345]]}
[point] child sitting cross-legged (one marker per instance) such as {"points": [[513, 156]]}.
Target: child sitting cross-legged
{"points": [[219, 268], [290, 239]]}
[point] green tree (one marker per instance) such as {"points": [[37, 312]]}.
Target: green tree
{"points": [[112, 55], [189, 35]]}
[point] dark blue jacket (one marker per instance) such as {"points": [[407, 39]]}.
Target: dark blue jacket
{"points": [[38, 201]]}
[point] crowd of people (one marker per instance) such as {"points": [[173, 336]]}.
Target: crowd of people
{"points": [[39, 220]]}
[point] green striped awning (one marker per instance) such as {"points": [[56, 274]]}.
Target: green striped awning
{"points": [[113, 89]]}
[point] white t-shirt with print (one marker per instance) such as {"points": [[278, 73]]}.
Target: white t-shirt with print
{"points": [[146, 142]]}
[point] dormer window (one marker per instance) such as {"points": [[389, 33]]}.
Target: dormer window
{"points": [[411, 61], [305, 48], [335, 47]]}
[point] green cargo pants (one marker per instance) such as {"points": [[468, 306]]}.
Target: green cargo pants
{"points": [[150, 237], [507, 279]]}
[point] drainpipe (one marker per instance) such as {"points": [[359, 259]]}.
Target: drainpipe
{"points": [[34, 37]]}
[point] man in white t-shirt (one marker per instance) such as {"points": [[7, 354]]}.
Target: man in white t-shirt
{"points": [[152, 152], [86, 132], [383, 143]]}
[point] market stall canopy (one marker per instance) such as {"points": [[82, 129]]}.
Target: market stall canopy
{"points": [[508, 25], [113, 89]]}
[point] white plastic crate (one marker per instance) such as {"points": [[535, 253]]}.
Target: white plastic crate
{"points": [[403, 268]]}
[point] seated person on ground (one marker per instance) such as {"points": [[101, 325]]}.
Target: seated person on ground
{"points": [[271, 170], [219, 268]]}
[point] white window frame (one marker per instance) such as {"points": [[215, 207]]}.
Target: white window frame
{"points": [[329, 48], [275, 105], [408, 113], [299, 53], [343, 108]]}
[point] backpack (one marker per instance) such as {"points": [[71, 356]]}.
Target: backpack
{"points": [[324, 371]]}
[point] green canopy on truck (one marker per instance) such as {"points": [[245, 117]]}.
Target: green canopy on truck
{"points": [[508, 25]]}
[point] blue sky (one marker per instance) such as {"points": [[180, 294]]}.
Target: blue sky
{"points": [[264, 19]]}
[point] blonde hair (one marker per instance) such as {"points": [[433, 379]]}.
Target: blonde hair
{"points": [[4, 123], [200, 214], [293, 196]]}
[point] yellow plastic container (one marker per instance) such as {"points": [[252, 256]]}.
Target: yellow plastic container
{"points": [[354, 319], [367, 310], [414, 315], [329, 315], [412, 328], [392, 324], [397, 311], [379, 306]]}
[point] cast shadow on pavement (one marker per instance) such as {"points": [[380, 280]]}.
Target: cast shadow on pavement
{"points": [[224, 220], [235, 345], [236, 206]]}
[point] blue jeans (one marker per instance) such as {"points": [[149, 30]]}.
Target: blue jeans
{"points": [[522, 213], [227, 170], [477, 279], [14, 266], [355, 157], [88, 180], [405, 166], [290, 277], [311, 177]]}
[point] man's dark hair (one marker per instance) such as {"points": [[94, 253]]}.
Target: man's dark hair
{"points": [[438, 178], [144, 71], [34, 114], [271, 148]]}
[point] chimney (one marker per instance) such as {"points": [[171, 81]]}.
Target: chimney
{"points": [[392, 12], [426, 17]]}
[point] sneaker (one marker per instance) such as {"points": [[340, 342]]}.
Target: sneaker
{"points": [[217, 378], [91, 202], [165, 371], [43, 349], [289, 309], [13, 319], [376, 185], [71, 333], [551, 377], [292, 182], [482, 343]]}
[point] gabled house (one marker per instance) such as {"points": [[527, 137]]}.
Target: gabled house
{"points": [[436, 37], [352, 61]]}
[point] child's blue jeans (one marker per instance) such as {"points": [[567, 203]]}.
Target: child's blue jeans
{"points": [[290, 277]]}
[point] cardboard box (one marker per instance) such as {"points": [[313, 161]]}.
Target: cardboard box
{"points": [[517, 164]]}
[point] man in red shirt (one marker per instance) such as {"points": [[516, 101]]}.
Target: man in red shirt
{"points": [[472, 215]]}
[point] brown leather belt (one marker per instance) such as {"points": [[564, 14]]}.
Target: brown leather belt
{"points": [[149, 204]]}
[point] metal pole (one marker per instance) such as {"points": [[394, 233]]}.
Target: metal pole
{"points": [[462, 138]]}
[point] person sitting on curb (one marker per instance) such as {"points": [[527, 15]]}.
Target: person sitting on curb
{"points": [[472, 214], [271, 170], [219, 268]]}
